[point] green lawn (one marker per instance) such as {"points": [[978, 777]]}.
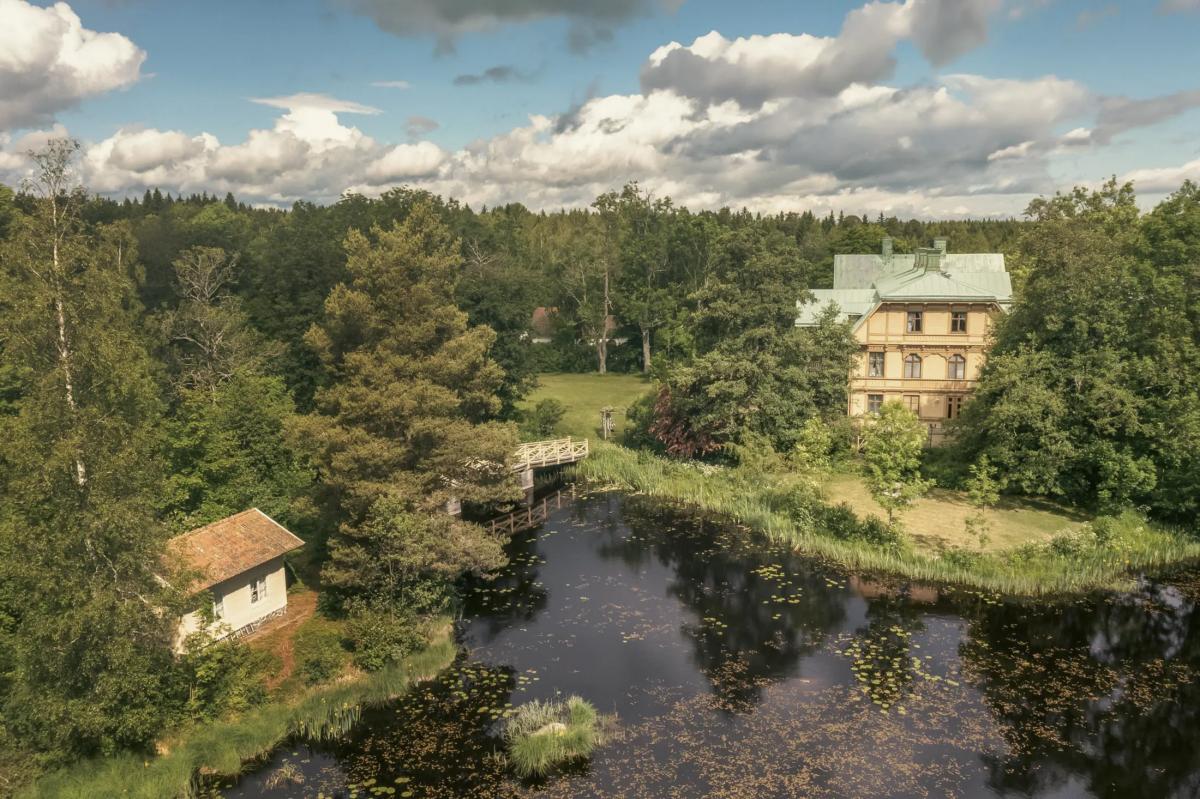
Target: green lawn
{"points": [[939, 519], [585, 395]]}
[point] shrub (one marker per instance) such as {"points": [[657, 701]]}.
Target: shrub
{"points": [[223, 677], [319, 653], [382, 636], [541, 421], [545, 735]]}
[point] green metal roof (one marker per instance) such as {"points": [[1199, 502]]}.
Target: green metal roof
{"points": [[964, 277]]}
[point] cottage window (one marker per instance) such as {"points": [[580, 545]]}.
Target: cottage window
{"points": [[875, 364], [219, 608], [258, 589], [874, 403], [953, 407], [956, 367], [914, 321], [912, 366], [958, 321]]}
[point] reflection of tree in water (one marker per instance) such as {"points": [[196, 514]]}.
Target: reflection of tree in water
{"points": [[514, 595], [1103, 693], [759, 609], [439, 740], [881, 652]]}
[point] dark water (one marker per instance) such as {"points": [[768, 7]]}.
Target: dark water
{"points": [[737, 669]]}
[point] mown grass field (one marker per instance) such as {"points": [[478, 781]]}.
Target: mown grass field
{"points": [[585, 395], [939, 519]]}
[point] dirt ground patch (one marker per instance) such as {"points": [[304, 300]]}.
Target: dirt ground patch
{"points": [[276, 636]]}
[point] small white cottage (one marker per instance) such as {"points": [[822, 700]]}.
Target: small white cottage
{"points": [[240, 563]]}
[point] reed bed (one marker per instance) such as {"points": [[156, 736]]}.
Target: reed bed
{"points": [[1105, 554], [226, 748], [545, 735]]}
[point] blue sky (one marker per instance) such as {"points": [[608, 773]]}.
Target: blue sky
{"points": [[202, 64]]}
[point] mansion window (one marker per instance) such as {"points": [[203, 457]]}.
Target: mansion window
{"points": [[953, 407], [874, 403], [958, 321], [875, 364], [914, 322], [912, 366], [913, 403], [956, 368], [258, 589]]}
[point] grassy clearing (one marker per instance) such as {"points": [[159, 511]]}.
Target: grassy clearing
{"points": [[938, 520], [585, 395], [1102, 554], [224, 748], [545, 735]]}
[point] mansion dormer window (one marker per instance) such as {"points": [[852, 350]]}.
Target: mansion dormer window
{"points": [[912, 366]]}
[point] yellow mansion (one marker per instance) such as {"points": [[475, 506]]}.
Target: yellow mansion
{"points": [[922, 321]]}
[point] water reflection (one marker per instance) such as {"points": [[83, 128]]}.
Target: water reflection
{"points": [[738, 669]]}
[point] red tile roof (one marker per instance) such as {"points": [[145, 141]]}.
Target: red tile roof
{"points": [[231, 546]]}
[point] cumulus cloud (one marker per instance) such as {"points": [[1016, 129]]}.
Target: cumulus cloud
{"points": [[49, 62], [772, 123], [1164, 179], [591, 21], [751, 70]]}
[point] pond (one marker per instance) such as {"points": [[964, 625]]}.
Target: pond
{"points": [[735, 668]]}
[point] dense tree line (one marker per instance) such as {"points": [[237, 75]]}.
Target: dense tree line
{"points": [[351, 368]]}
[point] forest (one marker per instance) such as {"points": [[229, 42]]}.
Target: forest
{"points": [[168, 361]]}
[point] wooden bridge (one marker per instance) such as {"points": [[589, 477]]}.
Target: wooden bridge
{"points": [[555, 452], [536, 455]]}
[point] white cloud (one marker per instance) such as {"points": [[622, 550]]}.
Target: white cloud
{"points": [[777, 122], [49, 62], [405, 162], [753, 69], [1164, 179], [391, 84]]}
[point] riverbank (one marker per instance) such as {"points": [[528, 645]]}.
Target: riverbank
{"points": [[1105, 553], [224, 749]]}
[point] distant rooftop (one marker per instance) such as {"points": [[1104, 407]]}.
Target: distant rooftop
{"points": [[861, 282]]}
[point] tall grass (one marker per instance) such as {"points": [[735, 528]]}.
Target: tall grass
{"points": [[544, 735], [1101, 555], [225, 748]]}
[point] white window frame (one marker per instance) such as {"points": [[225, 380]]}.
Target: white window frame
{"points": [[258, 589]]}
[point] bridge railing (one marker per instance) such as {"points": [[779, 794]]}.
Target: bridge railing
{"points": [[549, 453]]}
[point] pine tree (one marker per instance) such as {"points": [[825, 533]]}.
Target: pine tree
{"points": [[403, 425]]}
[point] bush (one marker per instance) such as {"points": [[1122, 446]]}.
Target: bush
{"points": [[382, 636], [223, 677], [541, 421], [840, 521], [319, 653], [638, 418]]}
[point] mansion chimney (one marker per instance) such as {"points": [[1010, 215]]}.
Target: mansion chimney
{"points": [[940, 244], [887, 247]]}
